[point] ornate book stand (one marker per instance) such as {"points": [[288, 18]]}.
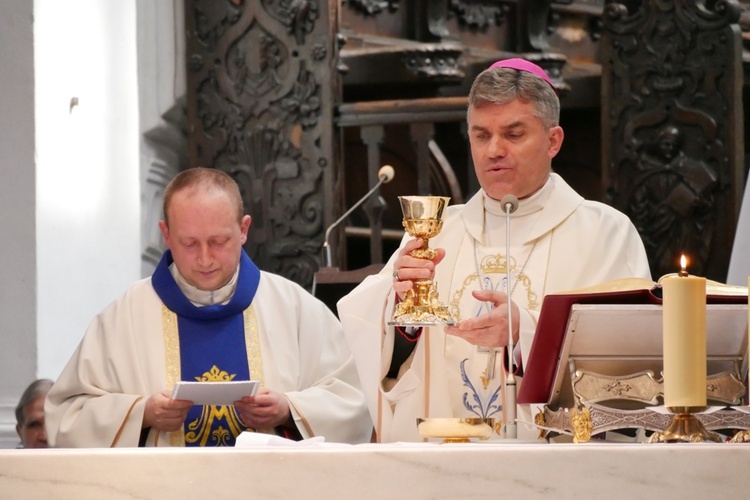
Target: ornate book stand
{"points": [[606, 374]]}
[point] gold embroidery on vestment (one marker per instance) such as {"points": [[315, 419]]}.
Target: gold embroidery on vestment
{"points": [[492, 264], [215, 375], [199, 431], [172, 362], [303, 419], [485, 381], [252, 346]]}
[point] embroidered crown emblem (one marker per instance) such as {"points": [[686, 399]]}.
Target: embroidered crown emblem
{"points": [[496, 264], [215, 375]]}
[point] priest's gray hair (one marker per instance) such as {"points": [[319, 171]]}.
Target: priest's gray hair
{"points": [[502, 85], [38, 388]]}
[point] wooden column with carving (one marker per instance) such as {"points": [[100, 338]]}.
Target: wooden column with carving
{"points": [[262, 89], [672, 127]]}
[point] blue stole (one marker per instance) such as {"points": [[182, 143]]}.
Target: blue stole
{"points": [[212, 348]]}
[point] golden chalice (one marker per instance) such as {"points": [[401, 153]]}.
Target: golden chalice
{"points": [[423, 218]]}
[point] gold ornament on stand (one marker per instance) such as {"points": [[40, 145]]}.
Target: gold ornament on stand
{"points": [[582, 426], [423, 218], [742, 436]]}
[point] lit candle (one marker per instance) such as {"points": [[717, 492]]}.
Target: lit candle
{"points": [[684, 323]]}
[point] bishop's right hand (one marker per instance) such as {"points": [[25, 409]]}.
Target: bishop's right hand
{"points": [[407, 269]]}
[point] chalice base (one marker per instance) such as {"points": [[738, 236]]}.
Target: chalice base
{"points": [[421, 308], [424, 320], [685, 428]]}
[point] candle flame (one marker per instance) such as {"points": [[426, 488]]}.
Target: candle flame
{"points": [[683, 266]]}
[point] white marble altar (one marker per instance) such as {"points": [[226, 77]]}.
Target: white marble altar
{"points": [[377, 471]]}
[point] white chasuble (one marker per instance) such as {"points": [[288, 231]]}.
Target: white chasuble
{"points": [[472, 392], [99, 399], [569, 243]]}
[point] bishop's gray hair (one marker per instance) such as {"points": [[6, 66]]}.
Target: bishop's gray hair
{"points": [[502, 85]]}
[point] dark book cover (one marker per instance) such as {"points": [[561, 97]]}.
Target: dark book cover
{"points": [[544, 357]]}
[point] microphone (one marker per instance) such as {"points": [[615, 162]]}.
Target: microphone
{"points": [[510, 204], [385, 175]]}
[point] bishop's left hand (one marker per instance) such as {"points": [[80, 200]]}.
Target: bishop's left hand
{"points": [[265, 410], [491, 329]]}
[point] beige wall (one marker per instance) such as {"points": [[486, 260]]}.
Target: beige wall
{"points": [[18, 278], [78, 186]]}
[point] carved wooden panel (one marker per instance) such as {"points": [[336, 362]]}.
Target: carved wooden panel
{"points": [[485, 29], [673, 127], [260, 104]]}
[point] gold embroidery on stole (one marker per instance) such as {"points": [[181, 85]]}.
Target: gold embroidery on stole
{"points": [[254, 353], [173, 375], [200, 430], [252, 346], [172, 362]]}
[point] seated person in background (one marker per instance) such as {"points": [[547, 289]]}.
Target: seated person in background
{"points": [[558, 241], [207, 314], [30, 415]]}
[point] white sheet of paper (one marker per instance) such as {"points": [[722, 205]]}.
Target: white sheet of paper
{"points": [[214, 393]]}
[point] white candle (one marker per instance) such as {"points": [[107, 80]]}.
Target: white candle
{"points": [[684, 323]]}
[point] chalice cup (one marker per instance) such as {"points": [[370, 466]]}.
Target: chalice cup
{"points": [[423, 218]]}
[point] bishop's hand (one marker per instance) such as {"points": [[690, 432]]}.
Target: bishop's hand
{"points": [[491, 329], [407, 269]]}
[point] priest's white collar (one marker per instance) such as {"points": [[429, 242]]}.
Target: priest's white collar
{"points": [[202, 297]]}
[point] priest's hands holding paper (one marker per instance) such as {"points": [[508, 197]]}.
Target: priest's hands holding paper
{"points": [[165, 414], [265, 410], [407, 269], [491, 329]]}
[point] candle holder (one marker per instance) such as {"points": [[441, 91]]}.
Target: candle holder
{"points": [[685, 428]]}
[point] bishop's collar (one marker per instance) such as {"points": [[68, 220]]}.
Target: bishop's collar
{"points": [[526, 206]]}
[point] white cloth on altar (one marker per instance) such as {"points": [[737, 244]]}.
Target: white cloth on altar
{"points": [[99, 398], [575, 242], [249, 439]]}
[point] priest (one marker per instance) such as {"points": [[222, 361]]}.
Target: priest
{"points": [[558, 241], [207, 314]]}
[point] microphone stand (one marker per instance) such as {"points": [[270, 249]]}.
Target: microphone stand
{"points": [[510, 204], [385, 175]]}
